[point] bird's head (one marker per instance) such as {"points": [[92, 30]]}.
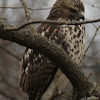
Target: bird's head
{"points": [[69, 9]]}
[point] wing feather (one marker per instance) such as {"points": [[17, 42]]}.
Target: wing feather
{"points": [[37, 70]]}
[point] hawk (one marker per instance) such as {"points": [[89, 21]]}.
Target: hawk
{"points": [[39, 75]]}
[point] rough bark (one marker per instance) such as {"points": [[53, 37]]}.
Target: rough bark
{"points": [[81, 86]]}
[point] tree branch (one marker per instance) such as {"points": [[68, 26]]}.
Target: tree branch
{"points": [[28, 16], [50, 49], [49, 22], [23, 8], [92, 39]]}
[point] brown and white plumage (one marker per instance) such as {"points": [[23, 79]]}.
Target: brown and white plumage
{"points": [[38, 72]]}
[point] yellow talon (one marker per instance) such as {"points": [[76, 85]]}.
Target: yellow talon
{"points": [[59, 92]]}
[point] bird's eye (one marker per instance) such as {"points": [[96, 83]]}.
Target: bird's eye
{"points": [[73, 10]]}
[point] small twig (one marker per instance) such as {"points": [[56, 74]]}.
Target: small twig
{"points": [[49, 22], [26, 10], [40, 8], [27, 14], [11, 7], [3, 18], [23, 8], [91, 57], [89, 76], [92, 39], [92, 24]]}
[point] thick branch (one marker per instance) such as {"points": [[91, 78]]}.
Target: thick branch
{"points": [[54, 52]]}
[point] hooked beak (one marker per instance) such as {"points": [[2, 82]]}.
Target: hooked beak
{"points": [[82, 16]]}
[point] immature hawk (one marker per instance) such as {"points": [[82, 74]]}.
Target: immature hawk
{"points": [[38, 72]]}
